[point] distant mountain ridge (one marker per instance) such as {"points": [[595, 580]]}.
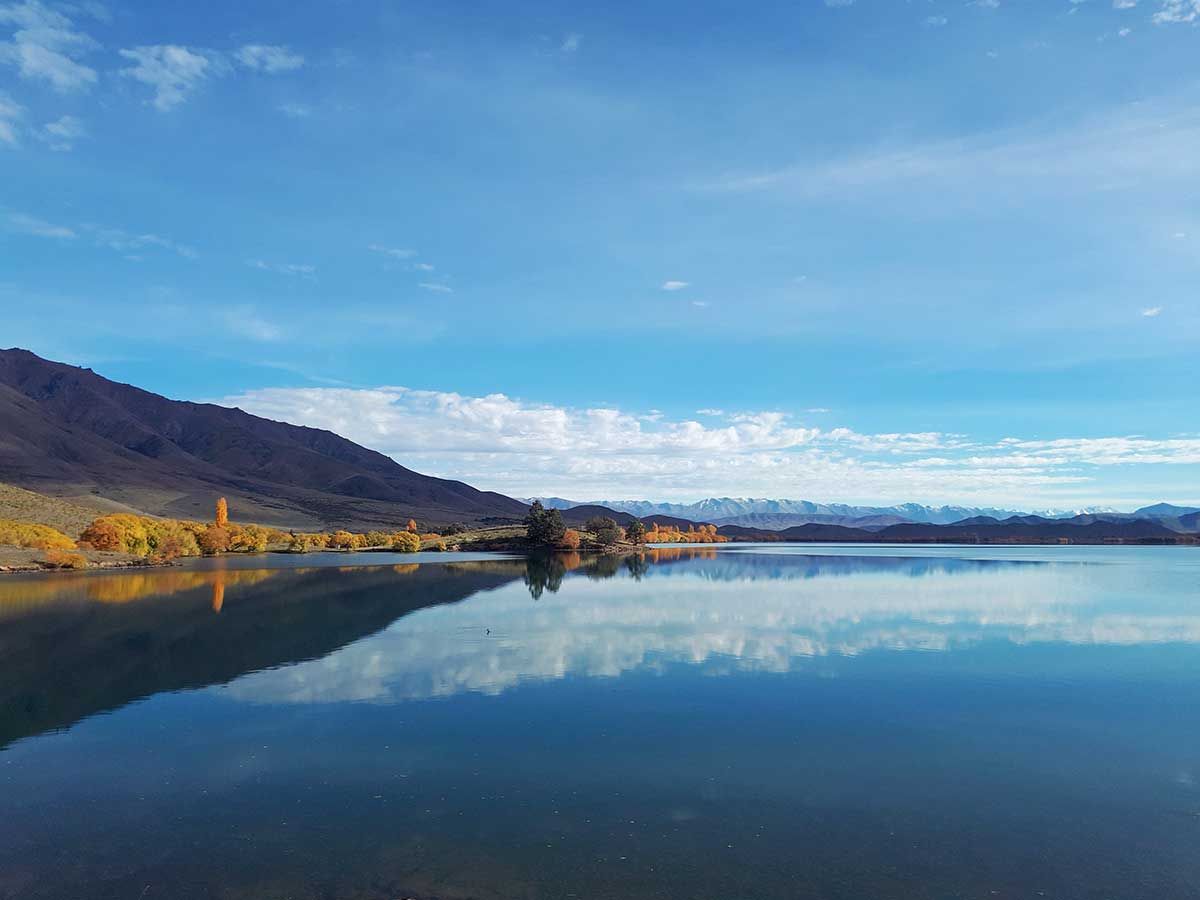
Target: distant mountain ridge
{"points": [[1085, 529], [780, 514]]}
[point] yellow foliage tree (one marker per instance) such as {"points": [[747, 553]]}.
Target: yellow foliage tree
{"points": [[222, 513], [39, 537], [119, 531], [341, 540], [406, 542]]}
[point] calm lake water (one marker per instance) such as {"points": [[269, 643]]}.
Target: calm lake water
{"points": [[743, 722]]}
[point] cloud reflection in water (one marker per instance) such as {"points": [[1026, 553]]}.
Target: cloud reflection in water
{"points": [[767, 612]]}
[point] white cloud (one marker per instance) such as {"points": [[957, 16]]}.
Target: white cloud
{"points": [[523, 449], [11, 114], [23, 224], [1142, 145], [46, 46], [303, 270], [674, 285], [1152, 311], [1124, 4], [436, 287], [175, 71], [936, 21], [1177, 11], [62, 133], [837, 4], [1109, 451], [171, 70], [408, 419], [393, 252], [115, 239], [124, 242], [268, 58], [571, 43]]}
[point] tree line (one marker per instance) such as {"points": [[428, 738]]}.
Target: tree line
{"points": [[165, 539], [546, 528]]}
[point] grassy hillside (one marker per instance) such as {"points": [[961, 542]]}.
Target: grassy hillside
{"points": [[26, 506]]}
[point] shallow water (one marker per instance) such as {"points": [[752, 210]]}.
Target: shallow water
{"points": [[740, 722]]}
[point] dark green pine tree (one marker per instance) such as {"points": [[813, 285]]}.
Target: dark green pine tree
{"points": [[545, 527]]}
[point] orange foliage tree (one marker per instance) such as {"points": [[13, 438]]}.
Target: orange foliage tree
{"points": [[61, 559], [222, 513], [704, 534], [213, 540]]}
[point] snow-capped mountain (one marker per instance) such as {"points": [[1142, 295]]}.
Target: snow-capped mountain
{"points": [[778, 514]]}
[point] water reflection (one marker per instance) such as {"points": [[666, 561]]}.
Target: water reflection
{"points": [[397, 632], [726, 611], [75, 645], [689, 722]]}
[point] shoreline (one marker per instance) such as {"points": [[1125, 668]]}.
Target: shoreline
{"points": [[32, 566]]}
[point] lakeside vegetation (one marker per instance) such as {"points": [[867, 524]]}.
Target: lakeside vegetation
{"points": [[546, 529], [122, 538], [118, 539]]}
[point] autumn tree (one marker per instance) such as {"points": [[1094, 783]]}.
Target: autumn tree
{"points": [[222, 513], [39, 537], [248, 538], [570, 540], [213, 540], [61, 559], [118, 531], [412, 526], [406, 542], [341, 540], [169, 539]]}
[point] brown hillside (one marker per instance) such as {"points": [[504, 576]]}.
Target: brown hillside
{"points": [[69, 433]]}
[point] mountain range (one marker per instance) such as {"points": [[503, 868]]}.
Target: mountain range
{"points": [[780, 514], [69, 433]]}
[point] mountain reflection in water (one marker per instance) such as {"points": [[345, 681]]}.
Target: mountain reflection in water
{"points": [[115, 637]]}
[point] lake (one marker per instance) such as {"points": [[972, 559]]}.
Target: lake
{"points": [[735, 722]]}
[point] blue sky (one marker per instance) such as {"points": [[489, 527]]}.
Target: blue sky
{"points": [[862, 251]]}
